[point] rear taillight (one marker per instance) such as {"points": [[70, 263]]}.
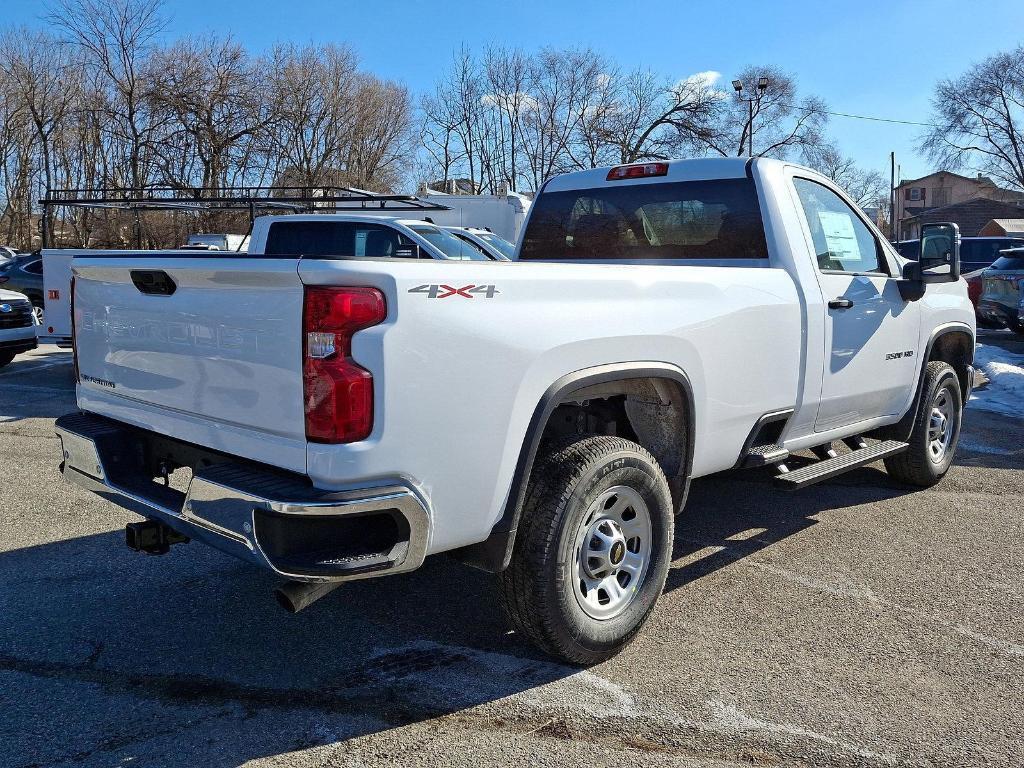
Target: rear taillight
{"points": [[639, 171], [338, 393]]}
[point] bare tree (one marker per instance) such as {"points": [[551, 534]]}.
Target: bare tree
{"points": [[380, 144], [16, 155], [310, 91], [41, 77], [562, 86], [781, 121], [207, 97], [866, 187], [979, 119], [330, 124], [652, 120], [117, 36]]}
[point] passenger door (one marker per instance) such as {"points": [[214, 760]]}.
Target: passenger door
{"points": [[871, 332]]}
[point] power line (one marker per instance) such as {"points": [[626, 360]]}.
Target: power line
{"points": [[878, 119], [862, 117]]}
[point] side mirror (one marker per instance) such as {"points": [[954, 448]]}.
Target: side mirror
{"points": [[940, 253], [911, 286]]}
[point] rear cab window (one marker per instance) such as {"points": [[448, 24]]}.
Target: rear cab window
{"points": [[711, 219]]}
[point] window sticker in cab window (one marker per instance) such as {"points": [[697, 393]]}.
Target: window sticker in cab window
{"points": [[840, 238]]}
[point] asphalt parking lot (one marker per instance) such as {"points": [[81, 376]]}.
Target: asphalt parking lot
{"points": [[853, 623]]}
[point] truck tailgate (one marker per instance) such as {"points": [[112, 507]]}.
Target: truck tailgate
{"points": [[207, 350]]}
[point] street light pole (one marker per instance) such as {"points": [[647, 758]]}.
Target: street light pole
{"points": [[750, 130], [762, 85]]}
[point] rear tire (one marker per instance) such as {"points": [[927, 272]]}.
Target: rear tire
{"points": [[592, 550], [936, 430]]}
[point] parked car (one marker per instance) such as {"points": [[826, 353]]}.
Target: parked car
{"points": [[973, 280], [1002, 284], [7, 254], [17, 326], [24, 274], [908, 249], [975, 252], [493, 247], [344, 416]]}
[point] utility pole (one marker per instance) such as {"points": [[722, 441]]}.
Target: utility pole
{"points": [[762, 84], [892, 196]]}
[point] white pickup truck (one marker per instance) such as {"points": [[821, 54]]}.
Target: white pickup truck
{"points": [[332, 415]]}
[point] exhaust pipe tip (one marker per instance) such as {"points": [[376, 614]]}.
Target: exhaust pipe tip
{"points": [[294, 596]]}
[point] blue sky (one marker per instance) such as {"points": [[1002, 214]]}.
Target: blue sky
{"points": [[870, 58]]}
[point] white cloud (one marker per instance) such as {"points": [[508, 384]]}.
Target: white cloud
{"points": [[702, 82], [520, 102], [706, 79]]}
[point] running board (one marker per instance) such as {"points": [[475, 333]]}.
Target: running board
{"points": [[824, 470]]}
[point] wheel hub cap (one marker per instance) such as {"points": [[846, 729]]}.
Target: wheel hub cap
{"points": [[941, 425], [613, 550]]}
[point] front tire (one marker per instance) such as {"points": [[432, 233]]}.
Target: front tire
{"points": [[592, 551], [5, 358], [936, 430]]}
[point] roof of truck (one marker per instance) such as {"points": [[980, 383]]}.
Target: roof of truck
{"points": [[359, 217], [678, 170]]}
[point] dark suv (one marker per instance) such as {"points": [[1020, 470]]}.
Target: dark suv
{"points": [[24, 274], [1001, 291], [975, 252]]}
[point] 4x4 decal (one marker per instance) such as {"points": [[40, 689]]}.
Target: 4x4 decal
{"points": [[442, 291]]}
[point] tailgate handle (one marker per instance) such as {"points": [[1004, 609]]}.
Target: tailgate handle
{"points": [[154, 282]]}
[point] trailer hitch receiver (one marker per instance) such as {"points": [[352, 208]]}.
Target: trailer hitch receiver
{"points": [[152, 537]]}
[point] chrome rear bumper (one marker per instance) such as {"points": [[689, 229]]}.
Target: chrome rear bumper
{"points": [[273, 519]]}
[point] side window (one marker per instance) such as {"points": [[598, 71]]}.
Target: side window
{"points": [[842, 242], [34, 267], [333, 238]]}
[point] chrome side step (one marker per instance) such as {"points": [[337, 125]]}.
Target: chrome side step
{"points": [[829, 468]]}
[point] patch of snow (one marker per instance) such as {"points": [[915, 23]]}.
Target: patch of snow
{"points": [[1005, 372]]}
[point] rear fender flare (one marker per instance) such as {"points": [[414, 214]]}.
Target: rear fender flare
{"points": [[494, 553]]}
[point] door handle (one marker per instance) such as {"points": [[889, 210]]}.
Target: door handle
{"points": [[840, 303]]}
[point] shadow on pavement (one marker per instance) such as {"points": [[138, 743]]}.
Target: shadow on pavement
{"points": [[37, 387], [107, 637], [737, 514]]}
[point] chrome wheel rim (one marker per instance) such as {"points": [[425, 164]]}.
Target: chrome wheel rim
{"points": [[613, 551], [37, 313], [941, 425]]}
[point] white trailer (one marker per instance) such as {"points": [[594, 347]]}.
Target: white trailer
{"points": [[504, 215]]}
